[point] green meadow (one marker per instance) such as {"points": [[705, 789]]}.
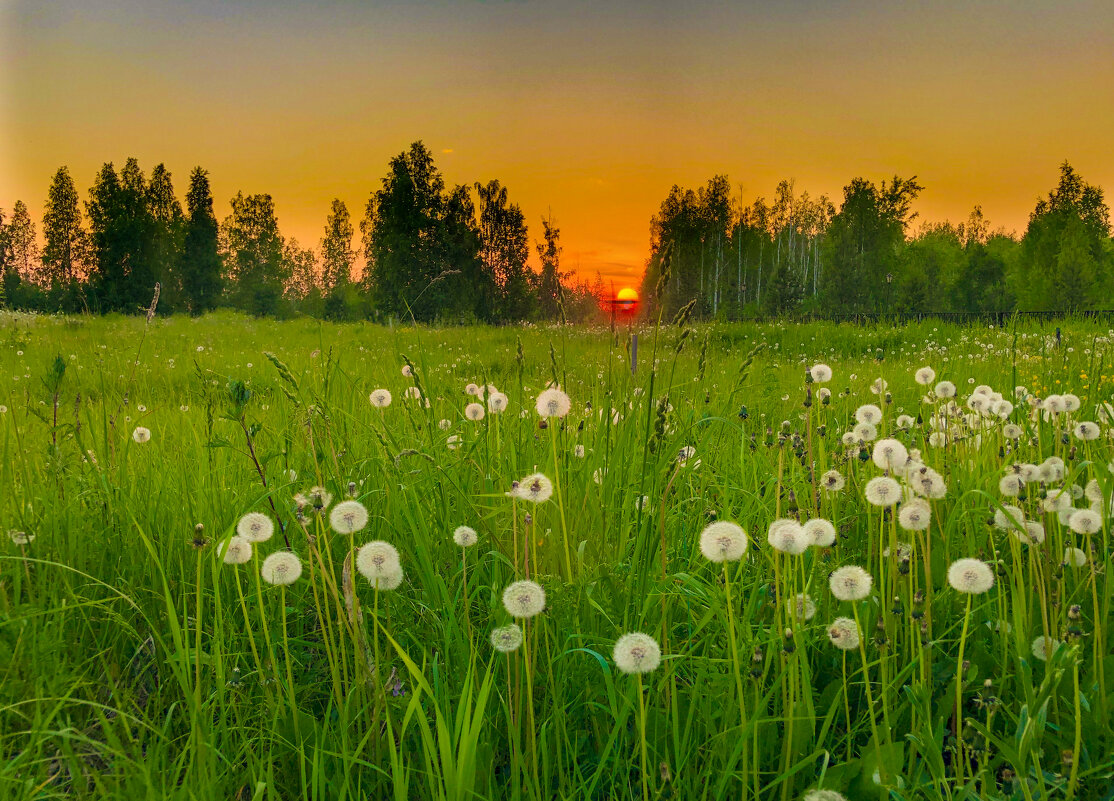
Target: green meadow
{"points": [[152, 646]]}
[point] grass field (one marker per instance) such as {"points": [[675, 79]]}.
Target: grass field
{"points": [[136, 663]]}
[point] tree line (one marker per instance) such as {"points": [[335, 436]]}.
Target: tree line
{"points": [[799, 255], [428, 252]]}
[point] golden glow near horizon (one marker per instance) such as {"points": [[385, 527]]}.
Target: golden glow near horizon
{"points": [[586, 111], [627, 295]]}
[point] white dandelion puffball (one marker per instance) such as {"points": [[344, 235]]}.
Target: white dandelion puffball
{"points": [[945, 389], [465, 536], [453, 442], [824, 795], [843, 632], [20, 537], [1087, 431], [535, 488], [802, 607], [1009, 517], [878, 386], [236, 551], [390, 581], [380, 398], [636, 653], [820, 532], [924, 376], [833, 481], [1011, 485], [889, 454], [905, 422], [578, 452], [1011, 431], [506, 638], [868, 413], [972, 576], [553, 403], [497, 403], [255, 527], [1072, 402], [1074, 557], [882, 491], [377, 559], [1044, 647], [1085, 521], [914, 515], [141, 434], [473, 390], [823, 393], [787, 536], [864, 432], [821, 373], [850, 583], [1032, 534], [406, 371], [723, 541], [281, 568], [348, 517], [474, 412], [524, 599], [1057, 499], [444, 424], [413, 392]]}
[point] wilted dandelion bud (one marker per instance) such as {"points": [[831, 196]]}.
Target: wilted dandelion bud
{"points": [[380, 398], [636, 653], [524, 599], [255, 527], [377, 560], [1075, 612], [820, 532], [281, 568], [553, 402], [850, 583], [351, 489], [141, 434], [465, 536], [723, 541], [236, 551], [844, 633], [882, 491], [348, 517], [506, 639], [971, 576]]}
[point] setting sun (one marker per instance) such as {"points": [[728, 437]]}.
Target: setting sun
{"points": [[627, 295]]}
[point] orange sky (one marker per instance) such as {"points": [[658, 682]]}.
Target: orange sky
{"points": [[589, 111]]}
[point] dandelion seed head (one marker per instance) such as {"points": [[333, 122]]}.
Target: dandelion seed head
{"points": [[971, 576], [832, 481], [914, 515], [348, 517], [787, 536], [281, 568], [141, 434], [882, 491], [868, 413], [850, 583], [924, 376], [380, 398], [821, 373], [536, 488], [506, 639], [20, 537], [465, 536], [1085, 521], [945, 389], [236, 551], [802, 607], [377, 559], [889, 454], [553, 402], [524, 599], [497, 402], [255, 527], [474, 412], [1074, 557], [820, 532], [723, 541], [636, 653], [843, 632], [1087, 431]]}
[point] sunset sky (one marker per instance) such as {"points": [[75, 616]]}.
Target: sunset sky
{"points": [[586, 110]]}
